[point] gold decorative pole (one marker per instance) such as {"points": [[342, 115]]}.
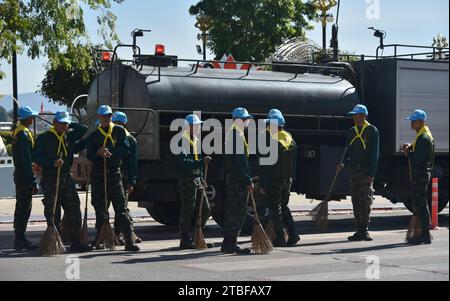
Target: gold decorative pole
{"points": [[203, 24], [324, 6]]}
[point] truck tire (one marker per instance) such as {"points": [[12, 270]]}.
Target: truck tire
{"points": [[165, 213], [443, 202]]}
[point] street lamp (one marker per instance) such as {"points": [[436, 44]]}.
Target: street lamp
{"points": [[203, 24], [324, 17]]}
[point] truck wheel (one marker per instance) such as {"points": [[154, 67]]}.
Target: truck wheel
{"points": [[443, 202], [165, 213]]}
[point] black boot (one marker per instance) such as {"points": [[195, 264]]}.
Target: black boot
{"points": [[130, 245], [23, 244], [358, 236], [424, 238], [293, 239], [78, 247], [230, 246], [186, 242], [279, 241], [365, 234]]}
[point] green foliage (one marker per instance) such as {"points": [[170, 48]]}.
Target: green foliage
{"points": [[53, 28], [253, 29]]}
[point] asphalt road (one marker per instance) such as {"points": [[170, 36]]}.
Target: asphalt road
{"points": [[319, 256]]}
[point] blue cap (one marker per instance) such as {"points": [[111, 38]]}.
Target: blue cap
{"points": [[120, 117], [26, 112], [63, 117], [275, 116], [193, 120], [359, 109], [104, 110], [241, 113], [418, 115]]}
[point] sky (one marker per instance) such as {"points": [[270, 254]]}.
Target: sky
{"points": [[405, 21]]}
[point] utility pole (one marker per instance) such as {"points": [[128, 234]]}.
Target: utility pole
{"points": [[15, 93]]}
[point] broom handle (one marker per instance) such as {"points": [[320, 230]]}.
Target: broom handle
{"points": [[87, 193], [105, 185], [58, 174], [252, 197], [199, 218], [327, 198]]}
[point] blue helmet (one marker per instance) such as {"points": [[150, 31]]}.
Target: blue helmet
{"points": [[359, 109], [192, 120], [25, 112], [63, 117], [418, 115], [120, 117], [241, 113], [275, 116], [104, 110]]}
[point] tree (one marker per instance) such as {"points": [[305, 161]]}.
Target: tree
{"points": [[62, 85], [3, 114], [54, 28], [251, 30]]}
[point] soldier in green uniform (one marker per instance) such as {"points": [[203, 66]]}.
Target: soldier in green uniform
{"points": [[276, 180], [24, 178], [129, 171], [191, 182], [238, 181], [55, 149], [362, 155], [109, 142], [421, 157]]}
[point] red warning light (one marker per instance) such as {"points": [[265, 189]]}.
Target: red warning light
{"points": [[106, 56], [160, 49]]}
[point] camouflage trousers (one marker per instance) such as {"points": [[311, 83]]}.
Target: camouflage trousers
{"points": [[68, 199], [420, 183], [277, 200], [362, 195], [115, 195], [116, 219], [236, 205], [23, 208], [189, 190]]}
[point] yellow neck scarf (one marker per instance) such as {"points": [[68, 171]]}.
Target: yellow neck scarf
{"points": [[193, 143], [283, 137], [423, 131], [20, 127], [241, 133], [359, 134], [126, 132], [61, 141], [108, 135]]}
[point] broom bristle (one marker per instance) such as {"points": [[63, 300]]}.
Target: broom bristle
{"points": [[261, 243], [414, 229], [65, 229], [270, 231], [84, 236], [199, 239], [320, 215], [51, 243], [106, 238]]}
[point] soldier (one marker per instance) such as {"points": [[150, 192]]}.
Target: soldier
{"points": [[109, 142], [276, 180], [190, 168], [129, 170], [238, 181], [55, 149], [362, 155], [421, 156], [24, 178]]}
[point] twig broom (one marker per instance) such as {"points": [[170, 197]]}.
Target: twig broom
{"points": [[199, 238], [261, 243]]}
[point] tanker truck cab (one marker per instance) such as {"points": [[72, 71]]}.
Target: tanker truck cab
{"points": [[153, 90]]}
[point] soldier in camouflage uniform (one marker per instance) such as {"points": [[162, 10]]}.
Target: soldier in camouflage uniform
{"points": [[109, 142], [55, 149], [362, 154], [129, 170], [24, 178], [276, 180], [191, 182], [238, 181], [421, 157]]}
